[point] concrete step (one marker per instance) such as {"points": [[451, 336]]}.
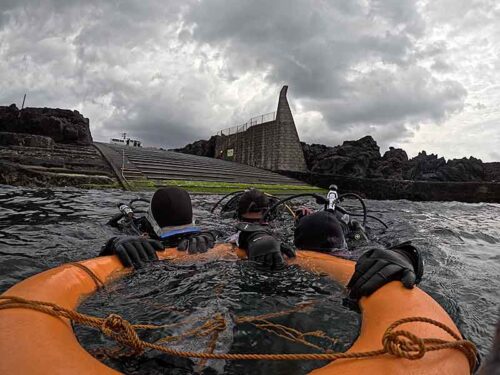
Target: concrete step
{"points": [[195, 169], [199, 168], [158, 165]]}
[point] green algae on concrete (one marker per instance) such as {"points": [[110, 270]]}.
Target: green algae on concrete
{"points": [[223, 187]]}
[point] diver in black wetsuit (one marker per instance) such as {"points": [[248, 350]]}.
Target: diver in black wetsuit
{"points": [[321, 231], [325, 231], [254, 236], [168, 223], [268, 250]]}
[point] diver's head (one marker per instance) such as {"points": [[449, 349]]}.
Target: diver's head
{"points": [[319, 231], [252, 205], [170, 212]]}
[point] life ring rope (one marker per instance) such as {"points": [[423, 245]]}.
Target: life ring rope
{"points": [[398, 343]]}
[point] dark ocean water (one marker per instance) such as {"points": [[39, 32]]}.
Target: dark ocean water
{"points": [[42, 228]]}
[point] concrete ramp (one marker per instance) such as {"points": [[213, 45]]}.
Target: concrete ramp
{"points": [[158, 166]]}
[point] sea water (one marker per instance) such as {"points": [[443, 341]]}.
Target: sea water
{"points": [[43, 228]]}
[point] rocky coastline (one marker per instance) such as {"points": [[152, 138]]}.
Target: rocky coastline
{"points": [[41, 147], [358, 166], [362, 159]]}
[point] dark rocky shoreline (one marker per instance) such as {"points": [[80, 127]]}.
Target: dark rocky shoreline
{"points": [[41, 147], [357, 166], [362, 159]]}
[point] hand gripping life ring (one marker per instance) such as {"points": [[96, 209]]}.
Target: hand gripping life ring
{"points": [[32, 342]]}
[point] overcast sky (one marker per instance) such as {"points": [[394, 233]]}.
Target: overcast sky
{"points": [[416, 75]]}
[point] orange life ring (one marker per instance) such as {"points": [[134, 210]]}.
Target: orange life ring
{"points": [[35, 343]]}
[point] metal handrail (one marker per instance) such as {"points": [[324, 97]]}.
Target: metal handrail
{"points": [[266, 117]]}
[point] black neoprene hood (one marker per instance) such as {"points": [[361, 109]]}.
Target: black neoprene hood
{"points": [[320, 231], [252, 200], [171, 206]]}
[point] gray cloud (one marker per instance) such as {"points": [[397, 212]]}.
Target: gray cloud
{"points": [[173, 72], [357, 65]]}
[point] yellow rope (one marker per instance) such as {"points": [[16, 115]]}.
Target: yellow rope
{"points": [[401, 343]]}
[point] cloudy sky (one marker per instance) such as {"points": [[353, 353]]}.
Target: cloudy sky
{"points": [[413, 74]]}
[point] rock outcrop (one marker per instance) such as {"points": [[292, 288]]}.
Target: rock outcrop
{"points": [[391, 166], [424, 167], [200, 148], [362, 159], [352, 158], [62, 125], [492, 171], [49, 147]]}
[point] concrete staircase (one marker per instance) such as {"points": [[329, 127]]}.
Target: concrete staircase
{"points": [[152, 164]]}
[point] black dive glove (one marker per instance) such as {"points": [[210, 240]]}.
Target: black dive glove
{"points": [[198, 242], [288, 250], [265, 250], [377, 267], [261, 246], [133, 251]]}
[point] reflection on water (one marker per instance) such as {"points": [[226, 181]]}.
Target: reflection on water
{"points": [[40, 229]]}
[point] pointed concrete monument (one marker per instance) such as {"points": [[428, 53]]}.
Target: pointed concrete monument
{"points": [[269, 143], [290, 155]]}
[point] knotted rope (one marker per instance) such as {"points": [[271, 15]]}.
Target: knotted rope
{"points": [[401, 343]]}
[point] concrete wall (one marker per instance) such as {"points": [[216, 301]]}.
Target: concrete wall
{"points": [[471, 192], [272, 145]]}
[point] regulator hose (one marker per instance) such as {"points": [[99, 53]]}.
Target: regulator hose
{"points": [[319, 200], [356, 196], [224, 197], [324, 201]]}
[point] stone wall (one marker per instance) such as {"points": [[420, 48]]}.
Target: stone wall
{"points": [[382, 189], [251, 147], [273, 145]]}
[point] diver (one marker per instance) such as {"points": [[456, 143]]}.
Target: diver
{"points": [[252, 203], [167, 223], [254, 235], [321, 231]]}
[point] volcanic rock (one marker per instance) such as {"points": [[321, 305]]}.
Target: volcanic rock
{"points": [[492, 171], [424, 167], [62, 125], [464, 169], [200, 148], [352, 158], [391, 165], [431, 168]]}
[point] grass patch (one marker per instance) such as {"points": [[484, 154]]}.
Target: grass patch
{"points": [[224, 187], [114, 185]]}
